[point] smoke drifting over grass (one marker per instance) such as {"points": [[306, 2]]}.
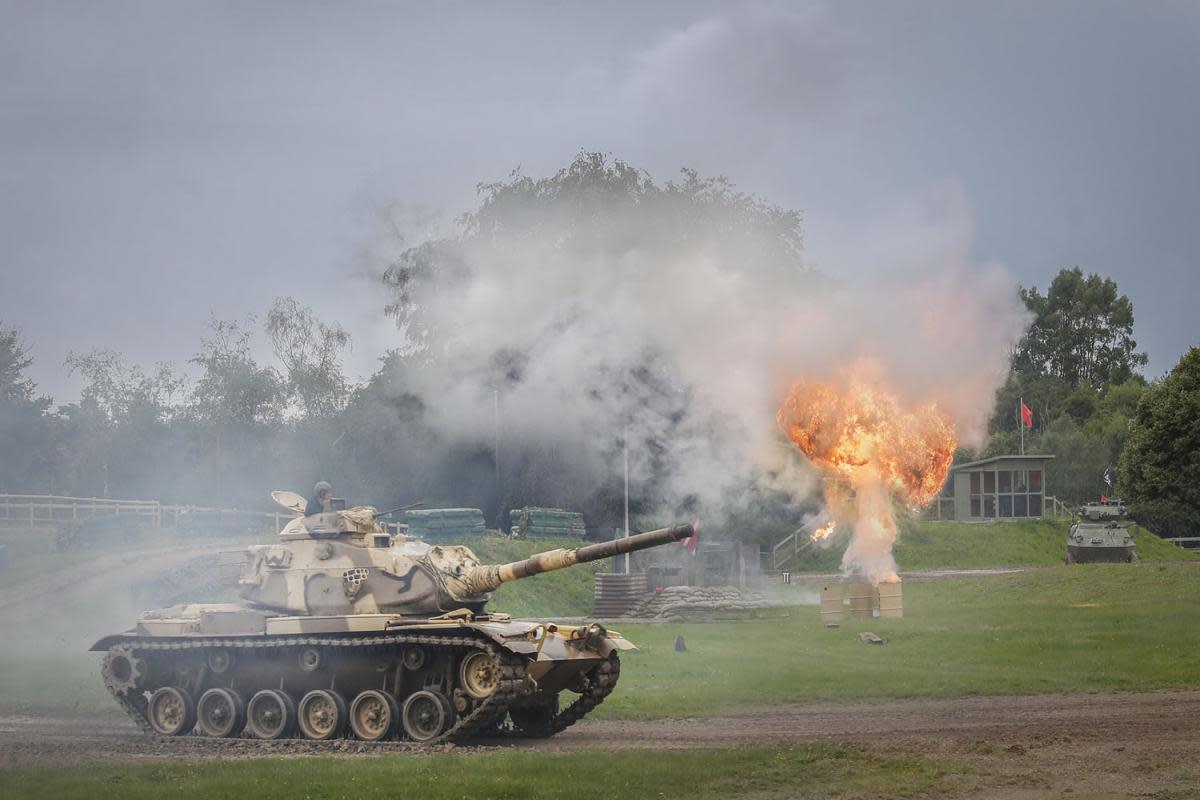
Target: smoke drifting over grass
{"points": [[596, 305]]}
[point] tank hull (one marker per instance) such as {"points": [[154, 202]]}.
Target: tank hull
{"points": [[364, 676], [1097, 554]]}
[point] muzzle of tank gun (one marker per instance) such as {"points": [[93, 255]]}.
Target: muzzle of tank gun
{"points": [[485, 578]]}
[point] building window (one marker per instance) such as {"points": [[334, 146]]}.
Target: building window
{"points": [[1004, 493], [1006, 505]]}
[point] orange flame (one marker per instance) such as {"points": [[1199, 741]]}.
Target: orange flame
{"points": [[860, 435], [860, 429], [821, 534]]}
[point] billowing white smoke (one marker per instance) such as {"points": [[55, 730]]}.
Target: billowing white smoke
{"points": [[724, 332]]}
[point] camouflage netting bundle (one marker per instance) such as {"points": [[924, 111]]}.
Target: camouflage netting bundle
{"points": [[546, 523], [445, 523]]}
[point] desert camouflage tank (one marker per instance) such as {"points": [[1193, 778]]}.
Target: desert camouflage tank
{"points": [[345, 630], [1103, 533]]}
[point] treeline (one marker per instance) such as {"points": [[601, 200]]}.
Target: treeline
{"points": [[234, 428], [227, 428], [1111, 431], [428, 424]]}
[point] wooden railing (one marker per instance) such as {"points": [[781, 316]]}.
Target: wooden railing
{"points": [[35, 510], [48, 509], [1057, 507], [781, 553], [1186, 542]]}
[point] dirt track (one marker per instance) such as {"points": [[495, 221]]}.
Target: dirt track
{"points": [[1023, 746]]}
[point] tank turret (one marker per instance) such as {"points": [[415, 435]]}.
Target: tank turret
{"points": [[344, 562]]}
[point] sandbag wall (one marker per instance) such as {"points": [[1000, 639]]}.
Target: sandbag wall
{"points": [[546, 523], [445, 523]]}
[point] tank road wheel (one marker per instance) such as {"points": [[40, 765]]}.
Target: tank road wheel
{"points": [[219, 661], [270, 714], [478, 674], [413, 658], [322, 714], [171, 711], [373, 715], [220, 713], [536, 722], [426, 715], [122, 671], [310, 659]]}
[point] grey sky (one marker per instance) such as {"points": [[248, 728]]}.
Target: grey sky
{"points": [[164, 162]]}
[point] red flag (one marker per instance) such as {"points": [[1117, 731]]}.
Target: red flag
{"points": [[1026, 415], [690, 543]]}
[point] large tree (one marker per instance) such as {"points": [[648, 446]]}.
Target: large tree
{"points": [[1081, 333], [27, 439], [310, 351], [1160, 467], [233, 390]]}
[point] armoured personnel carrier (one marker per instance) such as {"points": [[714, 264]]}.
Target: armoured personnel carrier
{"points": [[345, 630], [1103, 533]]}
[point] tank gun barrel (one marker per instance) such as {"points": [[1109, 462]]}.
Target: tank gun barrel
{"points": [[487, 577]]}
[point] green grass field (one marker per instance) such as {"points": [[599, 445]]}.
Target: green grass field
{"points": [[811, 771], [1054, 629], [1090, 628]]}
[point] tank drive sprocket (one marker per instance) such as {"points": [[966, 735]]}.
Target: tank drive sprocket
{"points": [[123, 671]]}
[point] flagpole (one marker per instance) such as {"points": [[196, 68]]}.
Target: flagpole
{"points": [[1021, 422], [625, 440]]}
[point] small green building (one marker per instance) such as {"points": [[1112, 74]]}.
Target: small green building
{"points": [[1001, 487]]}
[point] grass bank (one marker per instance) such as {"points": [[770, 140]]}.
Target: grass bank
{"points": [[567, 592], [937, 545], [809, 771]]}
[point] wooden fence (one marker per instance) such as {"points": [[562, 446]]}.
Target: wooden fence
{"points": [[38, 510]]}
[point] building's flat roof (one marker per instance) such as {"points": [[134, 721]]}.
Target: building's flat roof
{"points": [[994, 459]]}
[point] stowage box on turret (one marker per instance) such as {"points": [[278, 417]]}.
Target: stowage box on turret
{"points": [[345, 630], [1103, 533]]}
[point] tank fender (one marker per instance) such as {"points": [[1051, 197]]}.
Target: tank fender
{"points": [[533, 638], [109, 641]]}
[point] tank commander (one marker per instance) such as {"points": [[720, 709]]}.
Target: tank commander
{"points": [[321, 499]]}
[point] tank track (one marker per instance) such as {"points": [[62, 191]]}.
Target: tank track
{"points": [[489, 712], [600, 687]]}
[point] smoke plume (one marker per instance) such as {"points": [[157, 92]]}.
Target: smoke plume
{"points": [[616, 321]]}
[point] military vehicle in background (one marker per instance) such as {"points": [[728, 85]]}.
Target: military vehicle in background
{"points": [[345, 630], [1102, 534]]}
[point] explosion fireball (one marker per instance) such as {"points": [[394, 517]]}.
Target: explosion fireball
{"points": [[861, 437]]}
